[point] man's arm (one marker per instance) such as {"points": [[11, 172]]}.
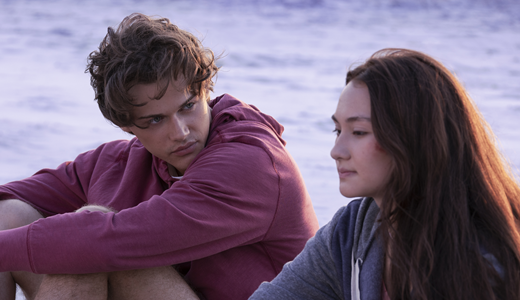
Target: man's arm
{"points": [[222, 202], [66, 188]]}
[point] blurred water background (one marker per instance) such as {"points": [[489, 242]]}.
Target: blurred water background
{"points": [[289, 58]]}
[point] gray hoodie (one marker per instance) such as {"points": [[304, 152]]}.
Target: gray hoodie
{"points": [[324, 268]]}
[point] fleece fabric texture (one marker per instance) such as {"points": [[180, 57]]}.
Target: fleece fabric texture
{"points": [[240, 211], [324, 269]]}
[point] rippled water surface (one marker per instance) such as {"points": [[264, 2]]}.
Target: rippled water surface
{"points": [[288, 58]]}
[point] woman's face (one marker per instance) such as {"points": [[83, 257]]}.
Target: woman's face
{"points": [[364, 168]]}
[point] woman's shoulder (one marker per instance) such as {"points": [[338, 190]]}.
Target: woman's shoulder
{"points": [[350, 213], [352, 227], [341, 223]]}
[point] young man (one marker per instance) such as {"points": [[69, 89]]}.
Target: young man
{"points": [[205, 198]]}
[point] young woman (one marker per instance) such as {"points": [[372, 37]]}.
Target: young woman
{"points": [[440, 217]]}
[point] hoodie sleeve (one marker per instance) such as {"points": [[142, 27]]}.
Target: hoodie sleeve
{"points": [[312, 274], [228, 198], [64, 189], [51, 191]]}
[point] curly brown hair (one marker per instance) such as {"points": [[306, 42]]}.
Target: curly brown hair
{"points": [[146, 50]]}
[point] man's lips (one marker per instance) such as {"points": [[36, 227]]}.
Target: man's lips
{"points": [[185, 149]]}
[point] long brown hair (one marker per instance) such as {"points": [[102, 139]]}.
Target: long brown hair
{"points": [[450, 216]]}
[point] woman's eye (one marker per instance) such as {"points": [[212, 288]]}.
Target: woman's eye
{"points": [[359, 133], [337, 131]]}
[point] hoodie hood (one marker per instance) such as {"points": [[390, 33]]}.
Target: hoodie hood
{"points": [[230, 118], [226, 108]]}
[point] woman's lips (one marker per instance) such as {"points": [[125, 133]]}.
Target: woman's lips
{"points": [[185, 149], [344, 173]]}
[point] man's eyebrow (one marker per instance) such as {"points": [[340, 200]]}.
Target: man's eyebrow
{"points": [[160, 115], [150, 116], [187, 100]]}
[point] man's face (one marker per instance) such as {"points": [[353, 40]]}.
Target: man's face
{"points": [[174, 128]]}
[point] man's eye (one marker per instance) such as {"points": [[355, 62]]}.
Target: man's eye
{"points": [[155, 120], [189, 105]]}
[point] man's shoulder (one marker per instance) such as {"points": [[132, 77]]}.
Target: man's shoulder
{"points": [[233, 116], [118, 146], [114, 151]]}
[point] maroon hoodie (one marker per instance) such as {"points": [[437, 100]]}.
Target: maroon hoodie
{"points": [[237, 215]]}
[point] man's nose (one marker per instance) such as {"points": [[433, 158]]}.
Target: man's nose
{"points": [[179, 130]]}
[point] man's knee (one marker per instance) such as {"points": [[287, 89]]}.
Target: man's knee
{"points": [[74, 286], [158, 283], [15, 213], [157, 272]]}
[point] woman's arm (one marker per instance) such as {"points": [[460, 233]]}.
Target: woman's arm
{"points": [[311, 275]]}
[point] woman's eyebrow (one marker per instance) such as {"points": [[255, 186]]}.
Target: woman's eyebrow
{"points": [[353, 119], [358, 118]]}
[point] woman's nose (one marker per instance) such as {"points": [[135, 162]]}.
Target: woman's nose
{"points": [[340, 149]]}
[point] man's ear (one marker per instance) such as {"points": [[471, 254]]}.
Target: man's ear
{"points": [[127, 129]]}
